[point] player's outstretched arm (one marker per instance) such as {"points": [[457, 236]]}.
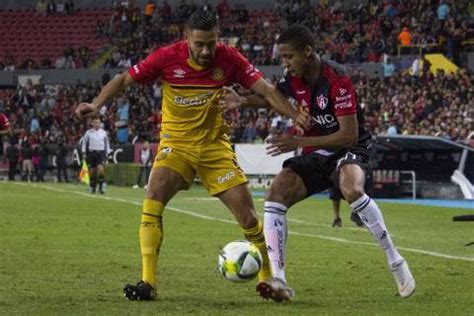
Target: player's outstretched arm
{"points": [[110, 90], [274, 97], [229, 99]]}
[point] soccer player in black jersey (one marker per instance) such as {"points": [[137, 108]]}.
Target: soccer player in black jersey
{"points": [[335, 153]]}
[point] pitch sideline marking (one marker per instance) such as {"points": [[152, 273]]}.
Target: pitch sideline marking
{"points": [[211, 218]]}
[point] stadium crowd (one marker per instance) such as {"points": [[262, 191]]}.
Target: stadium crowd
{"points": [[357, 34], [347, 35], [441, 105]]}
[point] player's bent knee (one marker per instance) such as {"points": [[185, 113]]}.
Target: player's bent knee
{"points": [[352, 193], [286, 187]]}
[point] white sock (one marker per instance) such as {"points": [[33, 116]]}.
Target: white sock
{"points": [[276, 233], [371, 215]]}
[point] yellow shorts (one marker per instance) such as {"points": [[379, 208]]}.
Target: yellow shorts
{"points": [[215, 163]]}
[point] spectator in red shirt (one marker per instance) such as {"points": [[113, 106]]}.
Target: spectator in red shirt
{"points": [[5, 129]]}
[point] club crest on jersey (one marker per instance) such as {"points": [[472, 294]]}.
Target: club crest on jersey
{"points": [[322, 102], [217, 74]]}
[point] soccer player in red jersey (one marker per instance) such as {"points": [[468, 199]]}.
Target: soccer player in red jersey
{"points": [[336, 152], [193, 139]]}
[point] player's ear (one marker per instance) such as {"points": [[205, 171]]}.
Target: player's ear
{"points": [[186, 33], [308, 51]]}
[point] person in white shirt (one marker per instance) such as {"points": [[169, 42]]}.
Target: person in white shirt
{"points": [[146, 160], [95, 148]]}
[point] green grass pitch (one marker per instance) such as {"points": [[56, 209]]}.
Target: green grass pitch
{"points": [[65, 252]]}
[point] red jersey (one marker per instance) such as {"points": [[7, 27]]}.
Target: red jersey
{"points": [[4, 123], [190, 91], [333, 96]]}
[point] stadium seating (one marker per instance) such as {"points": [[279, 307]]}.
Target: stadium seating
{"points": [[25, 34]]}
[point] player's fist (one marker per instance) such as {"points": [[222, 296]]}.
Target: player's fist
{"points": [[84, 110]]}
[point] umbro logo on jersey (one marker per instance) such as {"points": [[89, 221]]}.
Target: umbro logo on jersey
{"points": [[342, 91], [179, 73]]}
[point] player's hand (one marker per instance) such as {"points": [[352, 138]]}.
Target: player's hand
{"points": [[284, 143], [85, 110], [303, 120], [229, 99]]}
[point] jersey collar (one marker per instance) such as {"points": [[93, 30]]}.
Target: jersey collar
{"points": [[190, 61]]}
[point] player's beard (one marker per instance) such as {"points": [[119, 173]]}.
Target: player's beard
{"points": [[199, 60]]}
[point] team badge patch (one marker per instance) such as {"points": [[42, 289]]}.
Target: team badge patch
{"points": [[163, 153], [322, 102], [217, 74]]}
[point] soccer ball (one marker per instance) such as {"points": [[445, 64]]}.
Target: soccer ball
{"points": [[240, 261]]}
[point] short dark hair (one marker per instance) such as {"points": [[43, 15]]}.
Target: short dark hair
{"points": [[297, 35], [201, 20]]}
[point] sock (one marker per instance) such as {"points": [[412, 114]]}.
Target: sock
{"points": [[101, 182], [371, 215], [151, 236], [276, 233], [255, 236]]}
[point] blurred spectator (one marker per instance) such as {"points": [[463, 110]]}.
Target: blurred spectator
{"points": [[26, 153], [69, 7], [43, 157], [388, 68], [61, 166], [149, 10], [13, 155], [41, 7], [223, 10], [145, 162], [60, 8], [442, 11], [51, 9], [405, 38]]}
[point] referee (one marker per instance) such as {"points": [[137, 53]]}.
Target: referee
{"points": [[95, 148]]}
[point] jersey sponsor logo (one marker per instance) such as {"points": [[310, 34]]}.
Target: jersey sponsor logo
{"points": [[217, 74], [324, 119], [179, 73], [193, 101], [228, 176], [346, 97], [322, 102], [343, 105]]}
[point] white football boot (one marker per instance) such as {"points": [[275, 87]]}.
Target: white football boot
{"points": [[276, 290], [403, 278]]}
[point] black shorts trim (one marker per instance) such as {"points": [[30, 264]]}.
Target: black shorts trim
{"points": [[320, 173]]}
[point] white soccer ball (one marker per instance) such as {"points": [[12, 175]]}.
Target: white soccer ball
{"points": [[240, 261]]}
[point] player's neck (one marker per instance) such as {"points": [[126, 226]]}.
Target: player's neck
{"points": [[313, 71]]}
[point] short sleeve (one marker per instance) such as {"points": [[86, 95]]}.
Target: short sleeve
{"points": [[343, 97], [4, 121], [148, 70], [246, 73], [283, 85]]}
